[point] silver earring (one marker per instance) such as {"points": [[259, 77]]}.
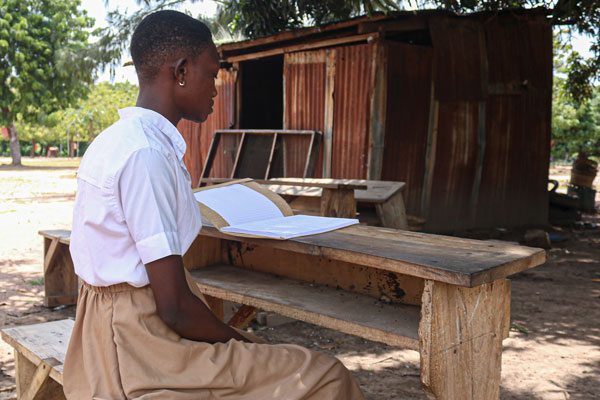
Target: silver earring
{"points": [[182, 83]]}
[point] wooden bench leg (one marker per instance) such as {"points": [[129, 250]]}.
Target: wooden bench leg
{"points": [[338, 203], [243, 316], [60, 280], [392, 213], [460, 340], [216, 306], [33, 382]]}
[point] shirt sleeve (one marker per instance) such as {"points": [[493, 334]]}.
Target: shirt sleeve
{"points": [[148, 195]]}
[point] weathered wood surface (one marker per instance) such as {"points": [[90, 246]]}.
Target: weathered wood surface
{"points": [[462, 262], [60, 282], [44, 341], [460, 340], [375, 192], [243, 316], [398, 288], [343, 311]]}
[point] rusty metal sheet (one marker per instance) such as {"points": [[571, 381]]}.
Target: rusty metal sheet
{"points": [[304, 75], [519, 51], [352, 98], [408, 102], [459, 58], [449, 206]]}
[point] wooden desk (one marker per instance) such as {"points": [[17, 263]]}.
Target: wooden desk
{"points": [[445, 297], [384, 196]]}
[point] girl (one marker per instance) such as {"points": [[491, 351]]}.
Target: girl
{"points": [[140, 330]]}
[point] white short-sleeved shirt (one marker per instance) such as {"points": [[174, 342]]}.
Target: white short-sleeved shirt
{"points": [[134, 202]]}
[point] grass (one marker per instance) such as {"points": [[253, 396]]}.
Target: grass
{"points": [[36, 282]]}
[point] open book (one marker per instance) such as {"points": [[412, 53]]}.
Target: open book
{"points": [[246, 208]]}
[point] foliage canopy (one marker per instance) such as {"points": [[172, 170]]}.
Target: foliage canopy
{"points": [[255, 18]]}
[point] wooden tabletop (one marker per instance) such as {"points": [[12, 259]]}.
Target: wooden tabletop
{"points": [[376, 191], [462, 262]]}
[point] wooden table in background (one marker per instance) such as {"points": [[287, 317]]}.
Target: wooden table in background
{"points": [[384, 196], [446, 297]]}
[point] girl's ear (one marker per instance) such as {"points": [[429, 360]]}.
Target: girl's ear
{"points": [[180, 70]]}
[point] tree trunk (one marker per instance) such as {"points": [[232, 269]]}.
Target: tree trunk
{"points": [[15, 149], [32, 151]]}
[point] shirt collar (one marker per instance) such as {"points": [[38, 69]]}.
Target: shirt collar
{"points": [[163, 124]]}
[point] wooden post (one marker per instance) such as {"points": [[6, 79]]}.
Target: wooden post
{"points": [[338, 203], [392, 213], [460, 339], [216, 306], [61, 284], [243, 316], [33, 381]]}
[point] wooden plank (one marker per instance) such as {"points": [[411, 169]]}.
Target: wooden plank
{"points": [[378, 110], [210, 158], [50, 254], [203, 251], [297, 33], [370, 191], [216, 306], [25, 376], [460, 340], [61, 284], [264, 131], [338, 203], [392, 213], [290, 181], [313, 269], [275, 136], [304, 46], [237, 156], [42, 341], [243, 316], [63, 235], [329, 112], [460, 262], [346, 312], [40, 376]]}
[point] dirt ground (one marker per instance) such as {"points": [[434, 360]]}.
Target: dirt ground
{"points": [[555, 355]]}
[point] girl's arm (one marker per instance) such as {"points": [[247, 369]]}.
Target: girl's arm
{"points": [[180, 309]]}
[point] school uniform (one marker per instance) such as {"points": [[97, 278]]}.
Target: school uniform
{"points": [[134, 205]]}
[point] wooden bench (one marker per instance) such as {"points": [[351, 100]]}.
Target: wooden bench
{"points": [[447, 298], [39, 357], [60, 282], [377, 202]]}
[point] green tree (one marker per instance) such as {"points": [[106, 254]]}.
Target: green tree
{"points": [[256, 18], [46, 61]]}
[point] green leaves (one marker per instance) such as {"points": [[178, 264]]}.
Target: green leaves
{"points": [[35, 35]]}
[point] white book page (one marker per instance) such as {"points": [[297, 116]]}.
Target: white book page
{"points": [[238, 204], [289, 227]]}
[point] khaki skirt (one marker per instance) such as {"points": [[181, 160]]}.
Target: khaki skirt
{"points": [[121, 349]]}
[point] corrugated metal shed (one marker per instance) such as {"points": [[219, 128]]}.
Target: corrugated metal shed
{"points": [[456, 106]]}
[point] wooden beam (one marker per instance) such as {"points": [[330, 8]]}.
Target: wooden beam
{"points": [[338, 203], [303, 46], [243, 316], [329, 112], [40, 376], [460, 340], [378, 106], [50, 255]]}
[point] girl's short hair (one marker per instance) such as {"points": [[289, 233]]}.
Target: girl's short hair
{"points": [[163, 35]]}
